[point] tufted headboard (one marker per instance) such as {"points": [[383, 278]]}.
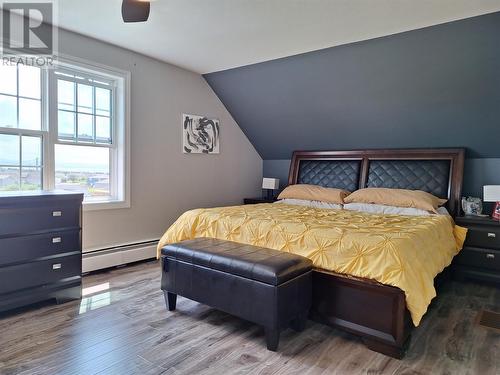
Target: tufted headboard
{"points": [[437, 171]]}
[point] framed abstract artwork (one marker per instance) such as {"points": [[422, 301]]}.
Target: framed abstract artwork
{"points": [[200, 135]]}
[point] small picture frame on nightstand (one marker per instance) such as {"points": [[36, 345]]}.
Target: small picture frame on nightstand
{"points": [[496, 212]]}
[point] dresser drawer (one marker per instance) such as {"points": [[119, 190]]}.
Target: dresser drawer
{"points": [[25, 220], [484, 237], [22, 276], [481, 258], [28, 248]]}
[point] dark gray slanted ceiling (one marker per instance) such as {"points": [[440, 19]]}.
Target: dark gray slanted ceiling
{"points": [[433, 87]]}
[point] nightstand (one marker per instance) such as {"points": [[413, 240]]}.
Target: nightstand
{"points": [[480, 257], [259, 200]]}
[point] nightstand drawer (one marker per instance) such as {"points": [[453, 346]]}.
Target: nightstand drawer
{"points": [[29, 248], [481, 258], [483, 237], [40, 273]]}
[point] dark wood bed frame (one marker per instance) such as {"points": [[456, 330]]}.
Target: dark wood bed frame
{"points": [[375, 312]]}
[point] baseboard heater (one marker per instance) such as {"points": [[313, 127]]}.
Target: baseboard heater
{"points": [[117, 256]]}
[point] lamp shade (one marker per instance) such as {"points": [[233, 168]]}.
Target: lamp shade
{"points": [[270, 183], [491, 193]]}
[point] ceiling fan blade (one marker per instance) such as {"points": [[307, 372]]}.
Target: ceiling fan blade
{"points": [[135, 10]]}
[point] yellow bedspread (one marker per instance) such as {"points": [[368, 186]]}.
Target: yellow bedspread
{"points": [[403, 251]]}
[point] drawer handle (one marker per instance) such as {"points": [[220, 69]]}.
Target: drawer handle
{"points": [[56, 240], [490, 256], [56, 266], [56, 213], [492, 235]]}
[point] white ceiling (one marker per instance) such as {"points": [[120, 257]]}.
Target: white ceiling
{"points": [[211, 35]]}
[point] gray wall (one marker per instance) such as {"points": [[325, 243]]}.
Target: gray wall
{"points": [[433, 87], [164, 181]]}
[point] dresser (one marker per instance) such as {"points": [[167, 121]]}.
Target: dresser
{"points": [[40, 247], [480, 257]]}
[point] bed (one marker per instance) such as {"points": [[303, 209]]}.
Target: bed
{"points": [[372, 309], [336, 298]]}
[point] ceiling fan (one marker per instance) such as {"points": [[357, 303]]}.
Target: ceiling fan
{"points": [[135, 10]]}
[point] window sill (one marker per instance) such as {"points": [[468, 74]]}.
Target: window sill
{"points": [[105, 205]]}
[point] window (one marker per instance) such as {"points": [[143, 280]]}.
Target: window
{"points": [[84, 109], [65, 128], [84, 146], [21, 115], [20, 97], [20, 162]]}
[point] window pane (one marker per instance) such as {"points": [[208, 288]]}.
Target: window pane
{"points": [[9, 178], [83, 169], [85, 126], [8, 79], [9, 149], [31, 178], [30, 116], [8, 111], [103, 101], [103, 129], [85, 98], [31, 151], [29, 81], [66, 124], [66, 95]]}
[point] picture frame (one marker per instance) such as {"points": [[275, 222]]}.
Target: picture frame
{"points": [[200, 135]]}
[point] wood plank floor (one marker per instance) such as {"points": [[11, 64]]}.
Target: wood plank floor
{"points": [[122, 327]]}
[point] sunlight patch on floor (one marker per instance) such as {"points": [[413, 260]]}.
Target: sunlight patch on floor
{"points": [[93, 299]]}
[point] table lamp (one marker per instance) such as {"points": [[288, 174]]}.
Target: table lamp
{"points": [[491, 193], [270, 184]]}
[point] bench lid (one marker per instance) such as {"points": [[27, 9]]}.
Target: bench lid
{"points": [[252, 262]]}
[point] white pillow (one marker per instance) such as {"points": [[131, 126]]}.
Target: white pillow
{"points": [[443, 211], [382, 209], [315, 204]]}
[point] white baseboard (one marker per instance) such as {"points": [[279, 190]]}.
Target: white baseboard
{"points": [[97, 260]]}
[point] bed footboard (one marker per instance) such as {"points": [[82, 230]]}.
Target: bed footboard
{"points": [[371, 310]]}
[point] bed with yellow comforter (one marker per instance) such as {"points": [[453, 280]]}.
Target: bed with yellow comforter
{"points": [[403, 251]]}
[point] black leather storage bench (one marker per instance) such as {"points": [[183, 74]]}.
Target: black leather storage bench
{"points": [[265, 286]]}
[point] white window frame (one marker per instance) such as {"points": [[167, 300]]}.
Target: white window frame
{"points": [[120, 154]]}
